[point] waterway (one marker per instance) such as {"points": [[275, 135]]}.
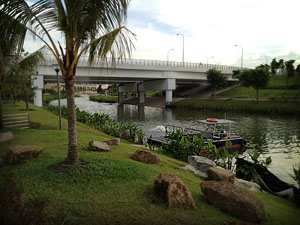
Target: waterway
{"points": [[277, 136]]}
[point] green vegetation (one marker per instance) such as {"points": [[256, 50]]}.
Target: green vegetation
{"points": [[128, 131], [103, 98], [296, 175], [110, 188], [257, 78], [278, 89], [286, 108], [48, 98]]}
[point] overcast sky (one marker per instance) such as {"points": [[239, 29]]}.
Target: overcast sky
{"points": [[264, 28]]}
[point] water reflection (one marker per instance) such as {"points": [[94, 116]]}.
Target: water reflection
{"points": [[278, 136]]}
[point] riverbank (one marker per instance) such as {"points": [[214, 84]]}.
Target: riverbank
{"points": [[248, 106], [111, 188]]}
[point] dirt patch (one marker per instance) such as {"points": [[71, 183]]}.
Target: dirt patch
{"points": [[34, 125], [64, 166]]}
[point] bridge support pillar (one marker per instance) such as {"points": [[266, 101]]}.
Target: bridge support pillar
{"points": [[169, 96], [141, 92], [38, 83], [120, 97], [141, 95], [38, 97]]}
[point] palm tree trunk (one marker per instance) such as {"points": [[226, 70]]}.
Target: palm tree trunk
{"points": [[1, 109], [72, 130]]}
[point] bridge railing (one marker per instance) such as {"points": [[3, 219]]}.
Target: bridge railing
{"points": [[152, 63]]}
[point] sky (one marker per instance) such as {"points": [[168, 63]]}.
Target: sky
{"points": [[264, 29]]}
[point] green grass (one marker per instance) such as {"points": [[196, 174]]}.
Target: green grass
{"points": [[111, 188], [278, 94], [102, 98], [280, 87], [48, 98]]}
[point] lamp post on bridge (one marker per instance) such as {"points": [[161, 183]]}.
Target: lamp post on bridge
{"points": [[209, 59], [58, 94], [266, 57], [168, 55], [182, 47], [242, 55]]}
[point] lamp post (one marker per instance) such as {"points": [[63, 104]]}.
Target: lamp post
{"points": [[265, 57], [168, 55], [182, 47], [58, 94], [242, 55], [209, 59]]}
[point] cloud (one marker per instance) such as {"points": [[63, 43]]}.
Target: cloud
{"points": [[212, 28]]}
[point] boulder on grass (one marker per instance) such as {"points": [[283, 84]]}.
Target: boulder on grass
{"points": [[145, 157], [220, 174], [18, 153], [172, 190], [247, 185], [233, 200], [113, 141], [6, 136], [99, 146], [201, 163]]}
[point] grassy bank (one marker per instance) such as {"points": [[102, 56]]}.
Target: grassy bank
{"points": [[276, 107], [110, 188], [102, 98], [48, 98], [280, 87]]}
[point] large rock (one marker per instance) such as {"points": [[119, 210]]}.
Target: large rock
{"points": [[99, 146], [201, 163], [145, 157], [220, 174], [247, 185], [233, 200], [113, 141], [6, 136], [172, 190], [18, 153]]}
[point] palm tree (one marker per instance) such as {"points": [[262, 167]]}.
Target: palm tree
{"points": [[12, 35], [88, 26]]}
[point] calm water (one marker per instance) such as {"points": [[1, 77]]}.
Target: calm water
{"points": [[277, 136]]}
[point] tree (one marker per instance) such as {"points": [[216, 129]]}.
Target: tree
{"points": [[12, 34], [274, 66], [298, 69], [257, 78], [88, 27], [18, 76], [289, 67], [281, 66], [216, 79]]}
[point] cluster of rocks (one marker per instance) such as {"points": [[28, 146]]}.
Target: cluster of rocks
{"points": [[103, 146], [226, 192]]}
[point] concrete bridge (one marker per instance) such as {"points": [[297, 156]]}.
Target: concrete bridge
{"points": [[131, 75]]}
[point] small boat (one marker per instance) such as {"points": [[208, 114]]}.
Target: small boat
{"points": [[268, 181], [212, 131]]}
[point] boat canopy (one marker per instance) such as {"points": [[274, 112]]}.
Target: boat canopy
{"points": [[219, 121]]}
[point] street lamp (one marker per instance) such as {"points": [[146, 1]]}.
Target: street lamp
{"points": [[209, 59], [242, 55], [265, 57], [182, 47], [58, 93], [168, 55]]}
